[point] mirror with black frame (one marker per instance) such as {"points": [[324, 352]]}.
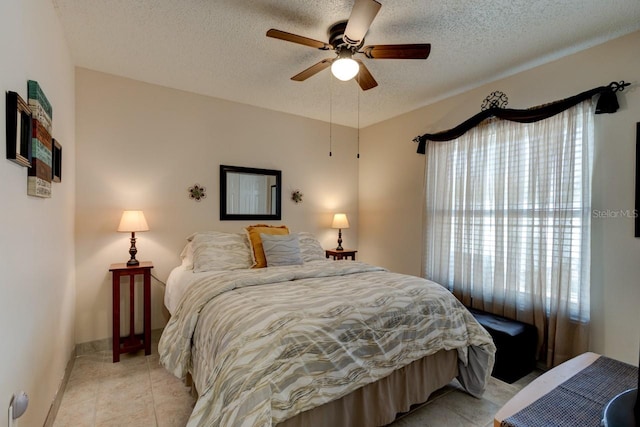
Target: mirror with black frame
{"points": [[250, 193]]}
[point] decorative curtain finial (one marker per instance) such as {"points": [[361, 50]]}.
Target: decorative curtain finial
{"points": [[618, 86], [495, 99], [608, 101]]}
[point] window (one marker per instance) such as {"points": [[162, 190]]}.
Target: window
{"points": [[507, 223]]}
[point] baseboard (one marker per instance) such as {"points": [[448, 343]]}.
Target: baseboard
{"points": [[90, 347], [57, 400], [106, 344]]}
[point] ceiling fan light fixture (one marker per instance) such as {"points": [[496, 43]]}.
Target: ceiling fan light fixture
{"points": [[345, 68], [346, 38]]}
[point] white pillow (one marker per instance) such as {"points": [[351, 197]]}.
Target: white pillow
{"points": [[187, 252], [310, 248], [220, 251], [281, 249], [187, 255]]}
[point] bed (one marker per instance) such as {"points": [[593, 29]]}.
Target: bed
{"points": [[310, 341]]}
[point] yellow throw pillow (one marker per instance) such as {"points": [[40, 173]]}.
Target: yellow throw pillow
{"points": [[253, 233]]}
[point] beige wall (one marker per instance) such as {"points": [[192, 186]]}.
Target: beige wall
{"points": [[37, 292], [391, 181], [141, 146]]}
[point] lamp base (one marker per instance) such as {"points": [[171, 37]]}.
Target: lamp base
{"points": [[339, 248], [133, 251], [619, 412]]}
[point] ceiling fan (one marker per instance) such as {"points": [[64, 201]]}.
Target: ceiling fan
{"points": [[346, 38]]}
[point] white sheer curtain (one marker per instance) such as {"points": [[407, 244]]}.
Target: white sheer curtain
{"points": [[507, 223]]}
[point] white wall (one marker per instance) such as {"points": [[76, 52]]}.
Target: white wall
{"points": [[37, 292], [391, 181], [141, 146]]}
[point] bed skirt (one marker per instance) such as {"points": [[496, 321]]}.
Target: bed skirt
{"points": [[378, 403]]}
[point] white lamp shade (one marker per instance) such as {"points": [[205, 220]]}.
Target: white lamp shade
{"points": [[340, 221], [133, 221], [345, 68]]}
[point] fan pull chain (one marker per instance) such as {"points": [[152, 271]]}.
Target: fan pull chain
{"points": [[330, 113], [358, 90]]}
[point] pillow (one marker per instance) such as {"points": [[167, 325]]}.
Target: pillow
{"points": [[253, 233], [187, 252], [220, 251], [310, 248], [187, 255], [281, 249]]}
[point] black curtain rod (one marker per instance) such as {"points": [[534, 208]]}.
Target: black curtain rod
{"points": [[607, 103]]}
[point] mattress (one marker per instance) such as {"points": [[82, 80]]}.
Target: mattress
{"points": [[177, 283]]}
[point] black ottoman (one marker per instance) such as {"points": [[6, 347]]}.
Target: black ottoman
{"points": [[515, 343]]}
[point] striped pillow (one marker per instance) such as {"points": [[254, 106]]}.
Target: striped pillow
{"points": [[310, 248], [253, 234], [220, 251], [281, 249]]}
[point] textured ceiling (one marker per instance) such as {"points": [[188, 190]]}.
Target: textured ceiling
{"points": [[219, 48]]}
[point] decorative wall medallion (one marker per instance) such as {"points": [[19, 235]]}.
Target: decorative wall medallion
{"points": [[196, 192], [496, 99], [296, 196]]}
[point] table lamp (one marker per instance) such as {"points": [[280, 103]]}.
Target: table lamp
{"points": [[340, 221], [133, 221]]}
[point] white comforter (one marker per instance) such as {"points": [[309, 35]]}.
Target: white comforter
{"points": [[266, 344]]}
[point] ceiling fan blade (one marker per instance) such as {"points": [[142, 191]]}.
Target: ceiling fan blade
{"points": [[397, 51], [313, 70], [364, 77], [362, 15], [294, 38]]}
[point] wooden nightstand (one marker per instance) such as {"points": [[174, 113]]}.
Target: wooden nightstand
{"points": [[343, 254], [133, 342]]}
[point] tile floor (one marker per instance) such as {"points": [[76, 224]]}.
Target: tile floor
{"points": [[139, 392]]}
